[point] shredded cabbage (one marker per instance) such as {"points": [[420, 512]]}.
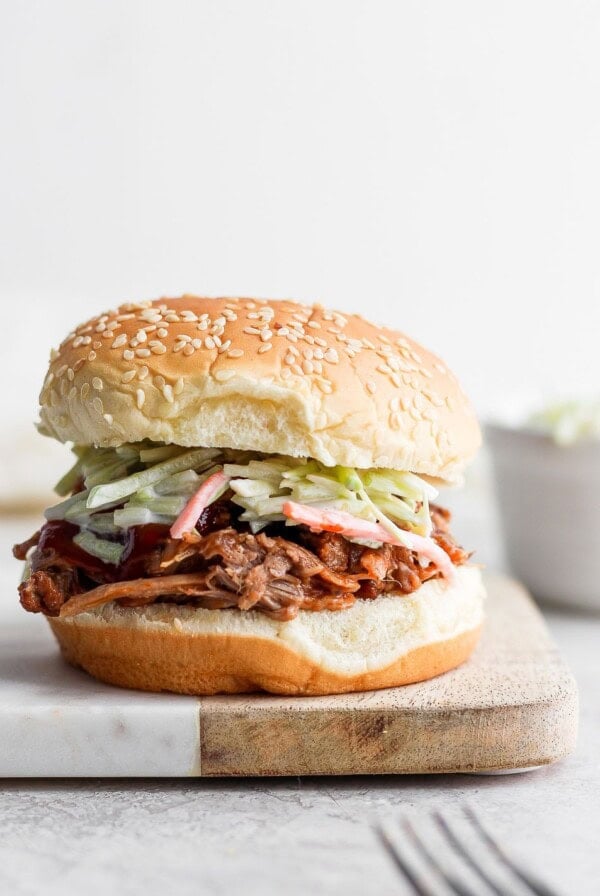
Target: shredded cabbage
{"points": [[569, 422], [135, 485]]}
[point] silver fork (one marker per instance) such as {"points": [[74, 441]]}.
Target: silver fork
{"points": [[449, 864]]}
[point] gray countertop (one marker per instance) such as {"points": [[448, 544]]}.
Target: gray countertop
{"points": [[295, 835]]}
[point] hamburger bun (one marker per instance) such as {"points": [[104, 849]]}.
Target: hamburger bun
{"points": [[269, 376], [389, 641]]}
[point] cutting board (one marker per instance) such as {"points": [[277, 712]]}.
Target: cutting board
{"points": [[513, 706]]}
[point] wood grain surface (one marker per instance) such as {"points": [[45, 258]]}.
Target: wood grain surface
{"points": [[512, 706]]}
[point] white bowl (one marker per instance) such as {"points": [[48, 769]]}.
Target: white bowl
{"points": [[549, 500]]}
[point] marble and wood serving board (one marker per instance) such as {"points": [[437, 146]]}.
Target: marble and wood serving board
{"points": [[512, 706]]}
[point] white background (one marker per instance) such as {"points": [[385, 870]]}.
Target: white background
{"points": [[435, 165]]}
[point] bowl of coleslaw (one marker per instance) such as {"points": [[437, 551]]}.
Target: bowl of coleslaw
{"points": [[547, 477]]}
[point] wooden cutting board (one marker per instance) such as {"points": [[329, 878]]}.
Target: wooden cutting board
{"points": [[512, 706]]}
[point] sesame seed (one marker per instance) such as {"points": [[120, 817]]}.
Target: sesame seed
{"points": [[70, 374], [318, 367], [99, 328], [394, 403], [297, 369], [220, 322], [157, 348], [188, 349], [283, 331], [141, 336], [121, 317], [162, 332], [178, 346], [108, 418], [72, 393], [325, 386], [178, 387], [197, 343], [252, 315], [216, 340], [223, 375], [167, 391], [235, 353], [203, 325], [371, 387], [77, 341], [143, 372], [265, 347], [266, 335], [404, 403], [119, 341], [85, 391], [292, 337], [188, 316], [96, 344], [332, 356], [318, 354], [289, 358], [314, 325], [286, 373], [97, 405], [224, 346], [396, 379], [251, 331], [128, 376], [294, 351], [140, 398], [209, 342], [143, 352], [172, 318], [92, 356], [128, 355], [97, 384], [159, 381], [61, 371]]}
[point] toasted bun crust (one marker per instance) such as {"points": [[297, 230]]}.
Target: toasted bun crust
{"points": [[270, 376], [386, 642]]}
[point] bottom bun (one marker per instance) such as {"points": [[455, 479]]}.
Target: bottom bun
{"points": [[381, 643]]}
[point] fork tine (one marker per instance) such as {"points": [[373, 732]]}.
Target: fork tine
{"points": [[449, 879], [396, 856], [536, 886], [466, 856]]}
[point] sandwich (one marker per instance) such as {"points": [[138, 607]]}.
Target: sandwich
{"points": [[253, 502]]}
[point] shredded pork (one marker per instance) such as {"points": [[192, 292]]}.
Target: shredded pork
{"points": [[275, 574]]}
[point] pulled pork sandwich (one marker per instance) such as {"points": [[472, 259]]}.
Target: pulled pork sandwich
{"points": [[251, 504]]}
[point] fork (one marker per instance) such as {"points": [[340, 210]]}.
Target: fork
{"points": [[441, 868]]}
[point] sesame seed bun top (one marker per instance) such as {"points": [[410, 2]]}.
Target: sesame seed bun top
{"points": [[264, 375]]}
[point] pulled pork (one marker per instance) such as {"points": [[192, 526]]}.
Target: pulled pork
{"points": [[278, 574]]}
